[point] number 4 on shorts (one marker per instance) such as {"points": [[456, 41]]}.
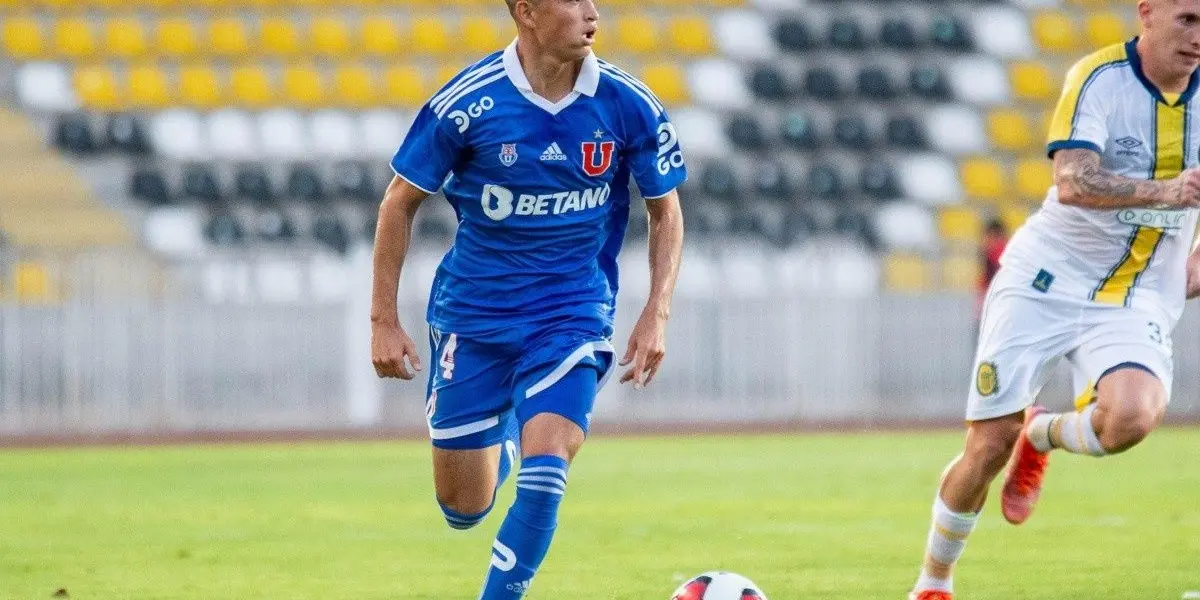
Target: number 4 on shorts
{"points": [[447, 359]]}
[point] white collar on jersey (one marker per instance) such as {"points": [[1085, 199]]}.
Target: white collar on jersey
{"points": [[585, 84]]}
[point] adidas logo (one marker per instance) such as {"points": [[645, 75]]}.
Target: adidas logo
{"points": [[553, 153]]}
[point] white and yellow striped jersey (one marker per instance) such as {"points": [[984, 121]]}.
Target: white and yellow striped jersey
{"points": [[1127, 257]]}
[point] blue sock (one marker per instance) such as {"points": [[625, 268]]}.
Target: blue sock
{"points": [[525, 535]]}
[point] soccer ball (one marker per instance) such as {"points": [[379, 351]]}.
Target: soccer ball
{"points": [[719, 585]]}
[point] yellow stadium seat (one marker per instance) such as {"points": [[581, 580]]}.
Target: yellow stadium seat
{"points": [[906, 273], [227, 37], [278, 37], [23, 38], [959, 224], [148, 87], [32, 283], [380, 36], [1053, 31], [667, 82], [1034, 177], [447, 71], [124, 37], [637, 33], [960, 273], [1010, 130], [405, 86], [251, 86], [355, 86], [175, 37], [73, 38], [199, 86], [303, 86], [1105, 28], [96, 87], [983, 178], [1013, 217], [480, 35], [690, 35], [429, 35], [1033, 81], [330, 36]]}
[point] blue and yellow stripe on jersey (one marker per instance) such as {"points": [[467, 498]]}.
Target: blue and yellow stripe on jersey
{"points": [[1079, 78]]}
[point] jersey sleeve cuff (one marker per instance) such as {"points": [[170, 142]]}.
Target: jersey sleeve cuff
{"points": [[658, 196], [413, 181], [1057, 145]]}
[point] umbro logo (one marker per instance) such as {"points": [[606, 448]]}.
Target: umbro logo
{"points": [[553, 152], [1128, 143]]}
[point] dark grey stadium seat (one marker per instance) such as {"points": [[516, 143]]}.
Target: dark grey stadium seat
{"points": [[73, 133], [223, 229], [771, 181], [852, 132], [852, 223], [200, 183], [798, 226], [799, 130], [150, 186], [845, 33], [929, 82], [304, 183], [876, 83], [768, 83], [328, 230], [905, 132], [825, 182], [435, 229], [252, 184], [707, 219], [878, 180], [745, 132], [794, 35], [823, 84], [951, 34], [352, 179], [126, 133], [719, 181], [898, 34]]}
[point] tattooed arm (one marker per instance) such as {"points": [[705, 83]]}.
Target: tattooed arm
{"points": [[1082, 182]]}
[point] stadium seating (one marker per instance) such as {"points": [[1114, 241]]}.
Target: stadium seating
{"points": [[896, 125]]}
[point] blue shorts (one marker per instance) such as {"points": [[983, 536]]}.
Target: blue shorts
{"points": [[476, 387]]}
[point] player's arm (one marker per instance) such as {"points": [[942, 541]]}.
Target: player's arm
{"points": [[390, 345], [1083, 182], [647, 343]]}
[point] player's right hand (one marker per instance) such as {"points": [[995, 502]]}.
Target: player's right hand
{"points": [[1185, 190], [392, 351]]}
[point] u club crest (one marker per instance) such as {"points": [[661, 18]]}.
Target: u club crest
{"points": [[508, 154], [597, 157]]}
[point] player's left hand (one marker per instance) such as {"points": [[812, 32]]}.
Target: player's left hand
{"points": [[647, 346], [1193, 276]]}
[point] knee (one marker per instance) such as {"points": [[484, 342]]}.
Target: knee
{"points": [[1131, 422], [990, 448], [464, 513]]}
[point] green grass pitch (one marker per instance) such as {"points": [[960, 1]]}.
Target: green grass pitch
{"points": [[807, 516]]}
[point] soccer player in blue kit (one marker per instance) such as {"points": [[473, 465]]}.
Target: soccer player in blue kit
{"points": [[534, 147]]}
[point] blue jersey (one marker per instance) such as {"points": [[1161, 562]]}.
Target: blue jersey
{"points": [[541, 190]]}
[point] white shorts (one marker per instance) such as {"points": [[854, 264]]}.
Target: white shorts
{"points": [[1025, 332]]}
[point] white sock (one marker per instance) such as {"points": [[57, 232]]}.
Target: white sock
{"points": [[947, 540], [1071, 431]]}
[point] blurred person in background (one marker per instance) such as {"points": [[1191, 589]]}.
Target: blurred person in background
{"points": [[991, 247], [1098, 275], [534, 147]]}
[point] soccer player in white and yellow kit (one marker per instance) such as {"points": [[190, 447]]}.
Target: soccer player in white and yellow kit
{"points": [[1099, 276]]}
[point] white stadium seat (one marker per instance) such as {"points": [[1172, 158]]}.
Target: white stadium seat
{"points": [[719, 84], [174, 231], [744, 34], [231, 135], [278, 280], [700, 133], [282, 134], [45, 87], [334, 134], [979, 80], [956, 129], [178, 133], [906, 226], [382, 132], [930, 179], [1002, 31]]}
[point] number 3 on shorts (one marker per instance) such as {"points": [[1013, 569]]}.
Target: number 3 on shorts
{"points": [[447, 359]]}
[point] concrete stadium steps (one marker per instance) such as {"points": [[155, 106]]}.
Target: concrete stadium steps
{"points": [[43, 201]]}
